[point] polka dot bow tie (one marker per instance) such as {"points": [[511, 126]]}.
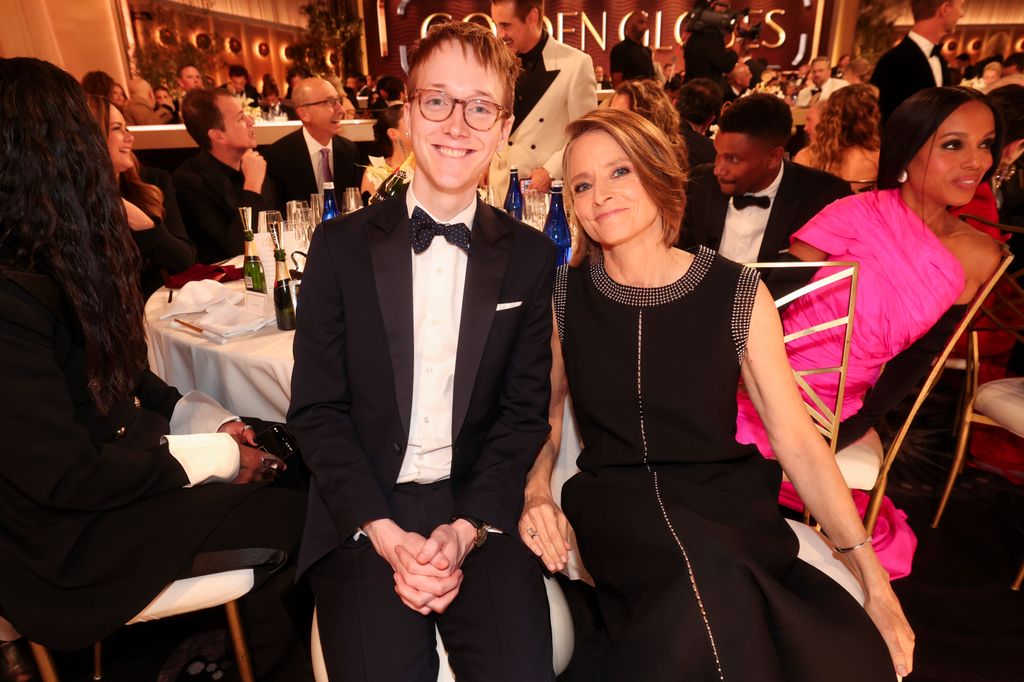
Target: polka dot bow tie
{"points": [[423, 229]]}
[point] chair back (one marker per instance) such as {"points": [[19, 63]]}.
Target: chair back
{"points": [[826, 416]]}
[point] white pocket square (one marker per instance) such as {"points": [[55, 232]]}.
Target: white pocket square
{"points": [[507, 306]]}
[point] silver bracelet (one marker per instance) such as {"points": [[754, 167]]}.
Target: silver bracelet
{"points": [[846, 550]]}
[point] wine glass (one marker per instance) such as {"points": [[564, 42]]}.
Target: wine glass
{"points": [[316, 207], [350, 200]]}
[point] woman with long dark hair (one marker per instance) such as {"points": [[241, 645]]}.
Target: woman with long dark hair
{"points": [[112, 485], [149, 202]]}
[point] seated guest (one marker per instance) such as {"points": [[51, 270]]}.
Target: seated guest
{"points": [[698, 103], [141, 109], [227, 173], [301, 162], [149, 201], [115, 485], [390, 91], [857, 71], [599, 76], [188, 78], [391, 134], [822, 84], [165, 101], [102, 84], [748, 203], [649, 99], [273, 108], [737, 82], [916, 259], [294, 75], [238, 85], [696, 570], [845, 139]]}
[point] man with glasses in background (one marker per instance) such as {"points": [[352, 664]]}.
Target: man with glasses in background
{"points": [[301, 162]]}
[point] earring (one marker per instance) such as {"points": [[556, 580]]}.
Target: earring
{"points": [[902, 177]]}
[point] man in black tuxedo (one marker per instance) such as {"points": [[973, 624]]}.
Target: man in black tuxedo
{"points": [[748, 203], [420, 396], [227, 173], [916, 62], [301, 162], [698, 104]]}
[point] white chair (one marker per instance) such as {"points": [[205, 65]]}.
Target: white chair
{"points": [[562, 639], [182, 596]]}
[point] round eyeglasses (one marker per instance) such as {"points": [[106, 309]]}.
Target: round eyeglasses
{"points": [[437, 106]]}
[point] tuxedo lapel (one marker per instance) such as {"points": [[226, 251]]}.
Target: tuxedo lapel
{"points": [[392, 271], [484, 274], [782, 216]]}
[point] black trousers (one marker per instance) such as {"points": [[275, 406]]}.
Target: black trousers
{"points": [[497, 628]]}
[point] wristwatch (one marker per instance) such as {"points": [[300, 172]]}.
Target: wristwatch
{"points": [[480, 526]]}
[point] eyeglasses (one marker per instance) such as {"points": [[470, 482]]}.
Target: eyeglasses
{"points": [[437, 106], [330, 101]]}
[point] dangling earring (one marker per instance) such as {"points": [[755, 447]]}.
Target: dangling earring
{"points": [[902, 177], [400, 145]]}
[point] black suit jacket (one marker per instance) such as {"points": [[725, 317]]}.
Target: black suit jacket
{"points": [[802, 193], [900, 73], [699, 148], [209, 195], [353, 376], [290, 168]]}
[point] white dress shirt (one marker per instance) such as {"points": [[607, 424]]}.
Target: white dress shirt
{"points": [[804, 97], [744, 230], [438, 283], [204, 454], [934, 62], [314, 148]]}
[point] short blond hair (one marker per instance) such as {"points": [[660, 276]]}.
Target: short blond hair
{"points": [[654, 162]]}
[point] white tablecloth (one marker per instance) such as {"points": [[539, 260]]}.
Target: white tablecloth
{"points": [[250, 375]]}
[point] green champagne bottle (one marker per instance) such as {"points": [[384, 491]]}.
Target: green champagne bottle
{"points": [[284, 293], [252, 267], [393, 184]]}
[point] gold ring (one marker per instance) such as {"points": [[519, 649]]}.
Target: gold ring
{"points": [[532, 533]]}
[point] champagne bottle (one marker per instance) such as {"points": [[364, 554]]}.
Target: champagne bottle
{"points": [[330, 203], [284, 293], [514, 196], [393, 184], [252, 266], [557, 226]]}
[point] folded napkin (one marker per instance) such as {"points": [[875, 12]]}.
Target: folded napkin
{"points": [[198, 272], [195, 297], [222, 322]]}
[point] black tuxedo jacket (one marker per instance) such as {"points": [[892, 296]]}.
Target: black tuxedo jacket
{"points": [[289, 166], [209, 195], [699, 148], [802, 193], [900, 73], [353, 376]]}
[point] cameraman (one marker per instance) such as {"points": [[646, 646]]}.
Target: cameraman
{"points": [[707, 56]]}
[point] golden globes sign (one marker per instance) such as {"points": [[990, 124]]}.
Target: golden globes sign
{"points": [[789, 34]]}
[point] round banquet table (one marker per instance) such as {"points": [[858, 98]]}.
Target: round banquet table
{"points": [[250, 375]]}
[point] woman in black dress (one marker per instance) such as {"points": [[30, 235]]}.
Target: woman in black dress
{"points": [[695, 568], [112, 485]]}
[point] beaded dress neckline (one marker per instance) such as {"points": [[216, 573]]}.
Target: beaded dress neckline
{"points": [[647, 297]]}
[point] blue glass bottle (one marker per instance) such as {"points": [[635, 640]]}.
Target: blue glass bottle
{"points": [[557, 226], [514, 196], [330, 203]]}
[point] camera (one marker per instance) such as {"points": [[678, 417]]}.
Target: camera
{"points": [[708, 14]]}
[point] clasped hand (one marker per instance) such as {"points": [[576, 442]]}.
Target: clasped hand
{"points": [[253, 463], [427, 571]]}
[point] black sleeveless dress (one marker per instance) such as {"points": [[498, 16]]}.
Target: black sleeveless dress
{"points": [[695, 567]]}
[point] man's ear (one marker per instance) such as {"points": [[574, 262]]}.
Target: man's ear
{"points": [[777, 155], [215, 135]]}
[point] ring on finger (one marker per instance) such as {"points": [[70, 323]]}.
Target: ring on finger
{"points": [[532, 532]]}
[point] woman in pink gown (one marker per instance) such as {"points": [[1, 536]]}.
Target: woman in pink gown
{"points": [[916, 260]]}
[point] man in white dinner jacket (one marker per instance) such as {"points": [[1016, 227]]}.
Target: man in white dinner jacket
{"points": [[556, 86]]}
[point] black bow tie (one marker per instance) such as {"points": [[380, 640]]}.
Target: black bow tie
{"points": [[423, 229], [815, 91], [936, 51], [741, 201]]}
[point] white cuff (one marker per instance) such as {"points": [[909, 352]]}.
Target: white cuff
{"points": [[205, 457], [197, 412]]}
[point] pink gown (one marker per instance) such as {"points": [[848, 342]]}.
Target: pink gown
{"points": [[907, 280]]}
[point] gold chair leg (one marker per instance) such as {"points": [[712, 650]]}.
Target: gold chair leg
{"points": [[875, 503], [954, 471], [47, 670], [97, 661], [1020, 578], [238, 642]]}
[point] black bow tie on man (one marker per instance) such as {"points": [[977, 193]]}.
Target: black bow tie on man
{"points": [[936, 51], [742, 201], [423, 229]]}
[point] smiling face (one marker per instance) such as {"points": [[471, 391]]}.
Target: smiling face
{"points": [[518, 34], [238, 134], [608, 199], [947, 170], [451, 157], [119, 142], [189, 79], [745, 164], [323, 121]]}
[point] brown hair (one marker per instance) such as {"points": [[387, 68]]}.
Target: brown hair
{"points": [[925, 9], [200, 113], [649, 99], [849, 118], [477, 42], [144, 195], [523, 8], [654, 162]]}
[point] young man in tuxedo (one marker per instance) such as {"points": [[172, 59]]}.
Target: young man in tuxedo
{"points": [[750, 200], [301, 162], [420, 396], [916, 62]]}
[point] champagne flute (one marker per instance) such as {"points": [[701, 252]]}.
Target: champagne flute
{"points": [[351, 201]]}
